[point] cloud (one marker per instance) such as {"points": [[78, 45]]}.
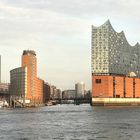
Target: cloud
{"points": [[60, 32]]}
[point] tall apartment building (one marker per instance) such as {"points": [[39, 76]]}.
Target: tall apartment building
{"points": [[18, 86], [24, 80], [34, 84], [69, 94], [115, 67], [80, 89], [29, 61]]}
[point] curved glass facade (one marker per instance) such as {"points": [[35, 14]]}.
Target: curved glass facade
{"points": [[18, 80], [111, 52]]}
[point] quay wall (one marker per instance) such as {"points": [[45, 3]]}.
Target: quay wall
{"points": [[116, 101], [115, 90]]}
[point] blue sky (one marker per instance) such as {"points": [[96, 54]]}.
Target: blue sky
{"points": [[60, 33]]}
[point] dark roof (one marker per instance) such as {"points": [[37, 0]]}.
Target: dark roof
{"points": [[29, 52]]}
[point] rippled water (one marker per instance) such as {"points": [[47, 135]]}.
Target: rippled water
{"points": [[70, 122]]}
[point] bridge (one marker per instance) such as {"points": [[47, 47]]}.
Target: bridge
{"points": [[76, 101]]}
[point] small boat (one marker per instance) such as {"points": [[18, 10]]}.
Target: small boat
{"points": [[49, 103], [3, 103]]}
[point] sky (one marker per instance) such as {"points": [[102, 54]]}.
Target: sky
{"points": [[60, 33]]}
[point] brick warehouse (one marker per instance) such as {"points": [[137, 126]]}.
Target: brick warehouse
{"points": [[115, 86], [115, 68], [119, 87]]}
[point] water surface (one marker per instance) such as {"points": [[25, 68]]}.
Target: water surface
{"points": [[70, 122]]}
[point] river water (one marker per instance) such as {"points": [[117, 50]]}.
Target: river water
{"points": [[70, 122]]}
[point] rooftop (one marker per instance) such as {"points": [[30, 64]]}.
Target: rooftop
{"points": [[29, 52]]}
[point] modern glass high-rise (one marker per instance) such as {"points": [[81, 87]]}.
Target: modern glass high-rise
{"points": [[80, 89], [18, 80], [112, 54]]}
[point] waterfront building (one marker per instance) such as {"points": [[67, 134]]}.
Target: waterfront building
{"points": [[4, 91], [80, 89], [59, 93], [47, 92], [4, 88], [18, 80], [24, 80], [115, 67], [69, 94], [88, 94], [111, 52], [55, 93]]}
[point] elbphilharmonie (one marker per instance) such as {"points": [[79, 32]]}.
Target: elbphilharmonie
{"points": [[115, 68]]}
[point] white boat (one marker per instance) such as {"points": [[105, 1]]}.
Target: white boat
{"points": [[3, 103]]}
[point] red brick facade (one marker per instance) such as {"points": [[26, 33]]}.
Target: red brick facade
{"points": [[105, 86], [35, 86]]}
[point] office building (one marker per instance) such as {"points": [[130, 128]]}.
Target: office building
{"points": [[80, 89], [18, 86], [24, 80], [69, 94]]}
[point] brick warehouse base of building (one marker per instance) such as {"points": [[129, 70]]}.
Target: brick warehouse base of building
{"points": [[115, 90], [116, 101], [112, 60]]}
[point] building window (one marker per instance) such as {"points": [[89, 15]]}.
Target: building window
{"points": [[98, 81], [117, 96]]}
